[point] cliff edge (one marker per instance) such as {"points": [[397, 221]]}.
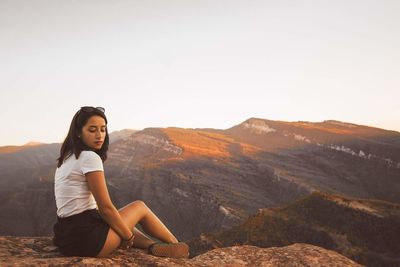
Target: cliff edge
{"points": [[39, 251]]}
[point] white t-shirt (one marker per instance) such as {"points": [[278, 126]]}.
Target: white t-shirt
{"points": [[70, 185]]}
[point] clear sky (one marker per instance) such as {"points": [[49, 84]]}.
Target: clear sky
{"points": [[196, 63]]}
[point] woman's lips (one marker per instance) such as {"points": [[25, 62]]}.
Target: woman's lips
{"points": [[99, 143]]}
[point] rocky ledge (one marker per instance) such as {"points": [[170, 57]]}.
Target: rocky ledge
{"points": [[39, 251]]}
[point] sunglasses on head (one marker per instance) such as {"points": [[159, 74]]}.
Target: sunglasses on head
{"points": [[90, 109]]}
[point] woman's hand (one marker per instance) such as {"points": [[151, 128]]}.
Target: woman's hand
{"points": [[125, 244]]}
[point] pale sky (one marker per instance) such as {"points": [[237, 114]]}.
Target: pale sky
{"points": [[196, 63]]}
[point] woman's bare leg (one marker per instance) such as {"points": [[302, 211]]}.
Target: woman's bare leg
{"points": [[141, 240], [113, 240], [137, 211], [131, 214]]}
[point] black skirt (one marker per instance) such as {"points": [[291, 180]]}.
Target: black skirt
{"points": [[82, 234]]}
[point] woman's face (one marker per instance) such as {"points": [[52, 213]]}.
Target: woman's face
{"points": [[94, 132]]}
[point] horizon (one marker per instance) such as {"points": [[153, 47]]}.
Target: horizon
{"points": [[110, 132], [196, 64]]}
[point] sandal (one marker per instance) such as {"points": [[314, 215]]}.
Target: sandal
{"points": [[171, 250]]}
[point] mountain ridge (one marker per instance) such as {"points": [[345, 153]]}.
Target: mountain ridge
{"points": [[127, 130]]}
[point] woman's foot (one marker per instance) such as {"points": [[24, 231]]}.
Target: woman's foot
{"points": [[171, 250]]}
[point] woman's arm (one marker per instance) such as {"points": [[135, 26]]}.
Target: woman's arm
{"points": [[98, 187]]}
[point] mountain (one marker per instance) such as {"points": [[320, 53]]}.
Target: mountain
{"points": [[33, 143], [329, 156], [365, 231], [11, 149], [213, 178], [122, 134]]}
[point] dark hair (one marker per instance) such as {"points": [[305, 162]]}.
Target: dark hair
{"points": [[73, 144]]}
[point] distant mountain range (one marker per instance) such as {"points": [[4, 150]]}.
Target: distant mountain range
{"points": [[206, 180]]}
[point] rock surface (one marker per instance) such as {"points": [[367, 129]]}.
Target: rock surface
{"points": [[39, 251]]}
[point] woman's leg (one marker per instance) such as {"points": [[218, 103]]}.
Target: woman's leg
{"points": [[133, 213], [137, 211], [141, 240], [113, 241]]}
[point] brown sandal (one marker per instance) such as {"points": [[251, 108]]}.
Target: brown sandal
{"points": [[171, 250]]}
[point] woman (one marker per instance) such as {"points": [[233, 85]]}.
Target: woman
{"points": [[88, 224]]}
